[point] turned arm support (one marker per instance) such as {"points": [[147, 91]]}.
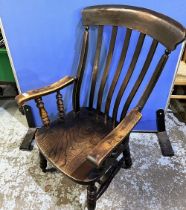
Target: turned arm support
{"points": [[34, 94], [38, 93], [105, 147]]}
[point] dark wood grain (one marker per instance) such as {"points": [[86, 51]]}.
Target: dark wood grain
{"points": [[60, 105], [107, 66], [86, 145], [114, 138], [153, 80], [162, 28], [32, 94], [96, 65], [42, 111], [128, 74], [68, 144], [118, 70], [81, 67], [140, 77]]}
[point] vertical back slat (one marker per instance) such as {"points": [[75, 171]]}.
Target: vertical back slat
{"points": [[96, 65], [140, 77], [128, 74], [153, 80], [107, 66], [118, 70], [81, 68]]}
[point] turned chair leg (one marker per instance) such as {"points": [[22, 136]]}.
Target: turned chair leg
{"points": [[43, 162], [91, 196], [126, 153]]}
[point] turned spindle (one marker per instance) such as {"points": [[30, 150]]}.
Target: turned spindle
{"points": [[60, 105], [91, 196], [43, 112]]}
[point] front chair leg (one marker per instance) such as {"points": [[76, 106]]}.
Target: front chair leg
{"points": [[91, 196], [43, 162], [126, 153]]}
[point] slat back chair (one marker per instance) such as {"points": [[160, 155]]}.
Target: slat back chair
{"points": [[86, 143]]}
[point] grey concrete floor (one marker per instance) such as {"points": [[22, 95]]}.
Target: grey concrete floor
{"points": [[154, 182]]}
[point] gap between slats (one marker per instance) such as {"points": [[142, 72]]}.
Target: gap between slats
{"points": [[96, 65], [128, 74], [107, 66], [118, 70], [140, 78]]}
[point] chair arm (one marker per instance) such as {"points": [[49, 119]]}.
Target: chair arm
{"points": [[105, 147], [33, 94]]}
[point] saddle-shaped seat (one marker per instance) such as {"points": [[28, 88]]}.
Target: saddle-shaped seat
{"points": [[90, 145], [66, 144]]}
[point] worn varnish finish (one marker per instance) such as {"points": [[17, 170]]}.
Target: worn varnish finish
{"points": [[96, 65], [60, 105], [111, 141], [144, 20], [81, 67], [128, 74], [42, 111], [86, 144], [118, 70], [68, 144], [153, 80], [22, 98], [107, 66], [140, 77]]}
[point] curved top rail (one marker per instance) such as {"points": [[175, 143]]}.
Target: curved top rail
{"points": [[161, 27]]}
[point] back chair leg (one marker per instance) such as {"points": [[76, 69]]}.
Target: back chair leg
{"points": [[43, 162], [126, 153], [91, 196]]}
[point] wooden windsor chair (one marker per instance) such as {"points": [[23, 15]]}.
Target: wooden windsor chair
{"points": [[87, 144]]}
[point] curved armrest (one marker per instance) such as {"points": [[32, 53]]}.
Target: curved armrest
{"points": [[32, 94], [114, 138]]}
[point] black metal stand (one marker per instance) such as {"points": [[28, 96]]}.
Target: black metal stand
{"points": [[26, 144], [4, 97], [164, 142]]}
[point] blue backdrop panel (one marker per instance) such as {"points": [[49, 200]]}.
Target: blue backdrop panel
{"points": [[44, 38]]}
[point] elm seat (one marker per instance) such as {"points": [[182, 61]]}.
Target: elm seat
{"points": [[67, 144], [90, 145]]}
